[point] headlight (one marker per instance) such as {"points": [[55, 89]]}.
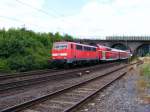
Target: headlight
{"points": [[55, 54], [63, 54], [59, 54]]}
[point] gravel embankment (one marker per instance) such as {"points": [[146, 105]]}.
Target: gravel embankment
{"points": [[122, 96]]}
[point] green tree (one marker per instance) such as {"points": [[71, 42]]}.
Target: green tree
{"points": [[24, 50]]}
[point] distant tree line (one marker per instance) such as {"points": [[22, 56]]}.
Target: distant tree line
{"points": [[24, 50]]}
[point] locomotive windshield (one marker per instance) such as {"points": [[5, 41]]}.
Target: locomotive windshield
{"points": [[60, 46]]}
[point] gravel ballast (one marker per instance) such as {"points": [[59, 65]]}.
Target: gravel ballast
{"points": [[121, 96], [44, 89]]}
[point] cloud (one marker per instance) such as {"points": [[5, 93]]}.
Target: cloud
{"points": [[15, 14], [96, 18], [121, 17]]}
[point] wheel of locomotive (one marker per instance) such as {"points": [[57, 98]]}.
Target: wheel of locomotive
{"points": [[68, 65]]}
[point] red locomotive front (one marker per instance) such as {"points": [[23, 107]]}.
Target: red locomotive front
{"points": [[61, 52], [71, 52]]}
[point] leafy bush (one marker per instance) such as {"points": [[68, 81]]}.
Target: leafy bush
{"points": [[24, 50], [4, 66]]}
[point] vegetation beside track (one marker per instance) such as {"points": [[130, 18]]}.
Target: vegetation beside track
{"points": [[145, 69], [24, 50], [144, 79], [143, 82]]}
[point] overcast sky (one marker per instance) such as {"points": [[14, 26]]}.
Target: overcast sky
{"points": [[85, 18]]}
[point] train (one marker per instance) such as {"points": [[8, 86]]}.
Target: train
{"points": [[77, 53]]}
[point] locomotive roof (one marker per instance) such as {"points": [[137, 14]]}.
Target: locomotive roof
{"points": [[118, 50], [102, 47], [76, 44]]}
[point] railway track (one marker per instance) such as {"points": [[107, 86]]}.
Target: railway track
{"points": [[34, 73], [17, 81], [70, 98], [25, 74]]}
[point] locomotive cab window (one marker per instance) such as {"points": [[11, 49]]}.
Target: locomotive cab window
{"points": [[60, 46]]}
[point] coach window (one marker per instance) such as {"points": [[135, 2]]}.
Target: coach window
{"points": [[84, 48], [93, 49], [87, 48], [78, 47]]}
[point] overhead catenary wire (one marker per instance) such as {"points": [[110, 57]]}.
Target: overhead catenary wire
{"points": [[19, 21], [10, 18], [53, 12]]}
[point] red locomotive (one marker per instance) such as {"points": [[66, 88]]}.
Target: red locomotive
{"points": [[71, 52]]}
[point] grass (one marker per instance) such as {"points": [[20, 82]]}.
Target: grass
{"points": [[145, 76], [144, 81], [145, 70]]}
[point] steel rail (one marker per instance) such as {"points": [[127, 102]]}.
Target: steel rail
{"points": [[37, 72], [52, 76], [27, 104], [79, 104], [23, 74]]}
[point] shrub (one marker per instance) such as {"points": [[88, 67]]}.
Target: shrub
{"points": [[24, 50]]}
